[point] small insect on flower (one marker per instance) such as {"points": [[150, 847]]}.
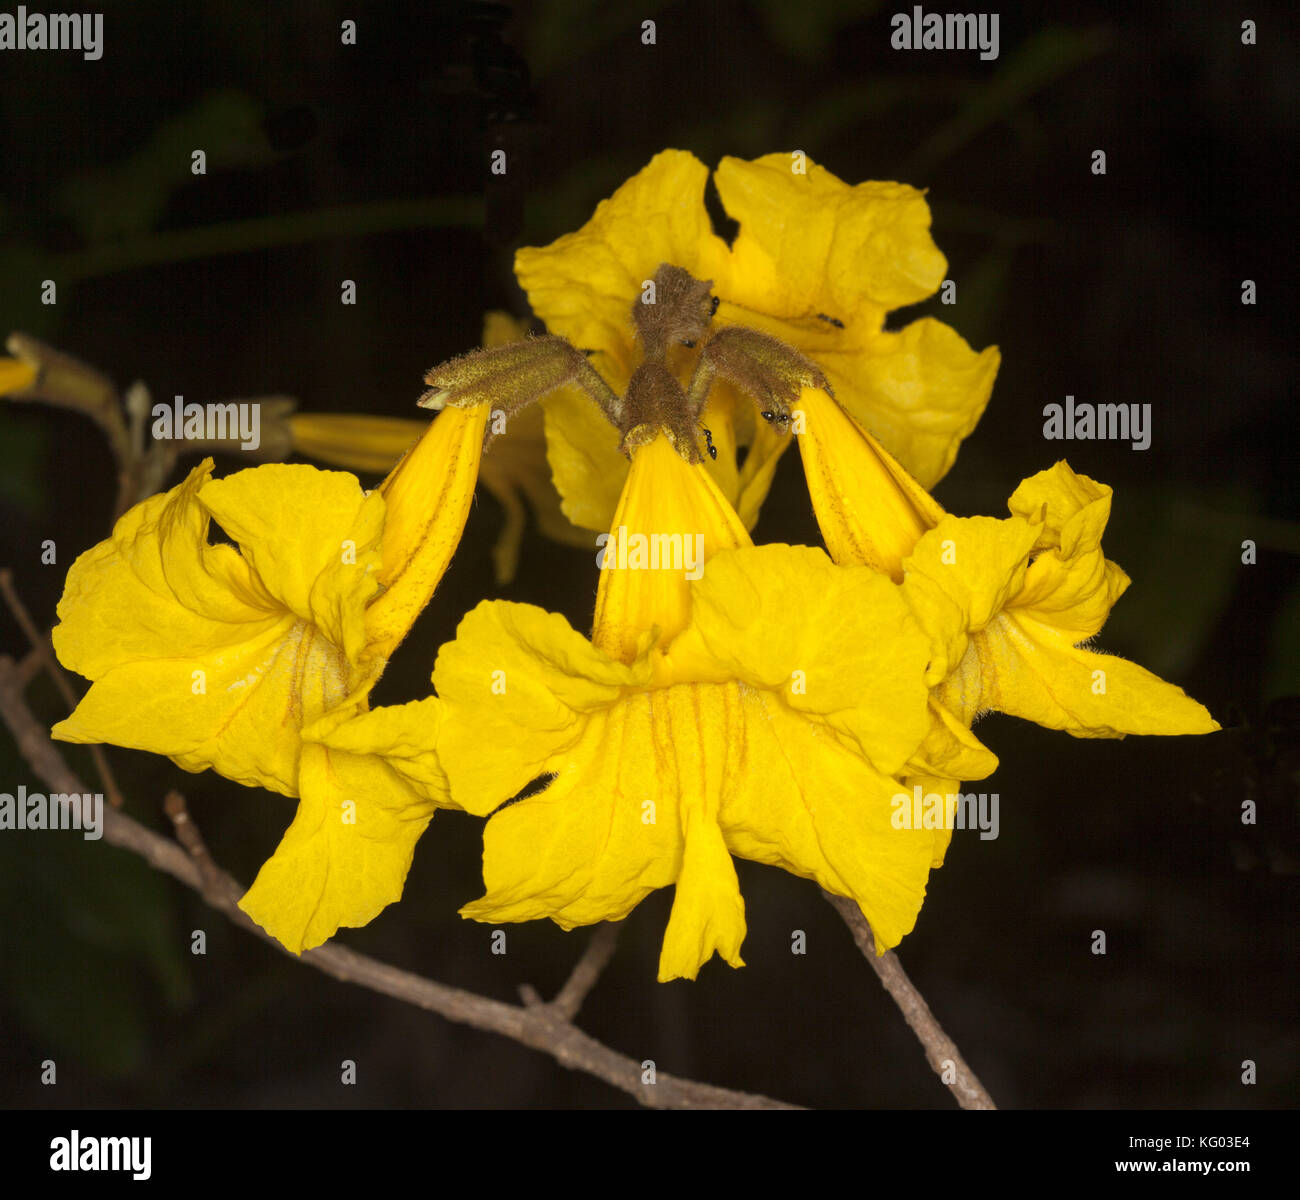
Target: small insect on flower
{"points": [[708, 443]]}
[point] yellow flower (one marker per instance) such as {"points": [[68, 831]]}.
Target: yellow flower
{"points": [[817, 264], [236, 659], [1013, 603], [1010, 603], [732, 700]]}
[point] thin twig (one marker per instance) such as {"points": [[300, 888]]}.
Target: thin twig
{"points": [[584, 976], [587, 971], [187, 833], [30, 665], [940, 1050], [43, 648], [541, 1027]]}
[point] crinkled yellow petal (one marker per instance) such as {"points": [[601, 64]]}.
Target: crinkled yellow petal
{"points": [[1070, 585], [810, 243], [870, 509], [937, 786], [633, 808], [156, 566], [961, 575], [1019, 666], [1069, 510], [311, 539], [238, 710], [950, 750], [191, 655], [708, 913], [696, 759], [586, 464], [803, 801], [921, 390], [837, 644], [354, 440], [428, 496], [583, 284], [671, 512], [598, 840], [15, 375], [347, 853], [403, 735], [1072, 595], [517, 684]]}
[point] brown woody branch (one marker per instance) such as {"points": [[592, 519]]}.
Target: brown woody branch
{"points": [[543, 1027], [940, 1050], [43, 656]]}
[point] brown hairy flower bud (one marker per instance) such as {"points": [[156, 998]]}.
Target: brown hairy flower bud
{"points": [[656, 402], [513, 376], [678, 309], [770, 372]]}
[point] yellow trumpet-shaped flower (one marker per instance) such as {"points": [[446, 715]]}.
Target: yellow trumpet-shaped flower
{"points": [[817, 264], [1009, 601], [1011, 604], [234, 657], [732, 700]]}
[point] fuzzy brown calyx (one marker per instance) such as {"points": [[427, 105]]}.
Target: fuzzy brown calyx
{"points": [[771, 373], [508, 378], [674, 307], [656, 403]]}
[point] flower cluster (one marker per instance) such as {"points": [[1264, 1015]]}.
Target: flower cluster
{"points": [[732, 701]]}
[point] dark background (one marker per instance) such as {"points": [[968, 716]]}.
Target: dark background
{"points": [[1119, 288]]}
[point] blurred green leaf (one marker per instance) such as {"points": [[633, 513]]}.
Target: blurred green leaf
{"points": [[564, 31], [258, 233], [22, 448], [1183, 551], [129, 197], [23, 268], [831, 113], [804, 30], [981, 292], [1045, 57]]}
